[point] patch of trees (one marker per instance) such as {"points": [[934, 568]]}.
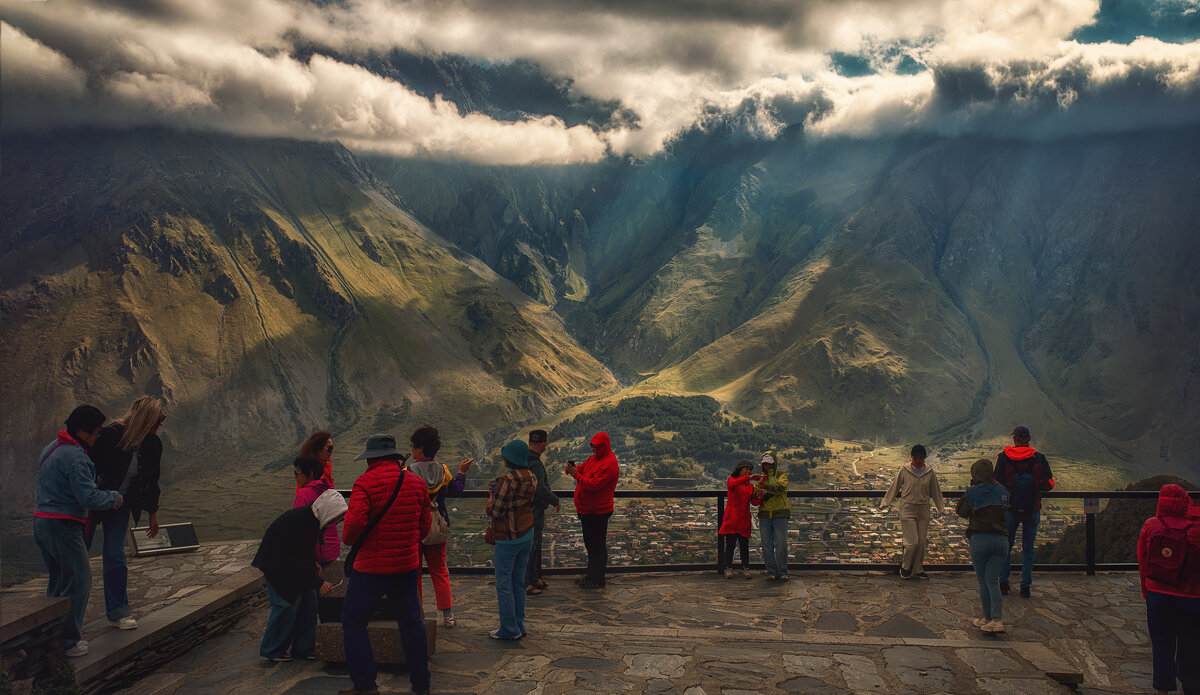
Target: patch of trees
{"points": [[702, 434]]}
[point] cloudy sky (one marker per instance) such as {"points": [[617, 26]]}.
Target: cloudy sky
{"points": [[860, 68]]}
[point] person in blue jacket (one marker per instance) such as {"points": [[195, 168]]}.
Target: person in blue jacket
{"points": [[64, 492]]}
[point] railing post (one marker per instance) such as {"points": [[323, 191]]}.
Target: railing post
{"points": [[1090, 533], [720, 545]]}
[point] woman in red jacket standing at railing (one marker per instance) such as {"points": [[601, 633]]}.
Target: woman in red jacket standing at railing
{"points": [[735, 527], [1169, 563], [595, 483]]}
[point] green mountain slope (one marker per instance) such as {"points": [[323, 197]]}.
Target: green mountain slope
{"points": [[263, 289]]}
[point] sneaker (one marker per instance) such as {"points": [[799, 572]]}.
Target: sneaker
{"points": [[771, 577], [993, 626], [729, 573], [448, 620], [783, 578], [280, 659], [126, 623], [79, 649], [905, 574], [922, 575], [1004, 588], [746, 573], [1024, 592]]}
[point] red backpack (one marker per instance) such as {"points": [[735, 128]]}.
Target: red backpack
{"points": [[1173, 555]]}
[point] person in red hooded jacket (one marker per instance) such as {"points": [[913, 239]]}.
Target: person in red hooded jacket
{"points": [[1172, 607], [735, 527], [595, 482]]}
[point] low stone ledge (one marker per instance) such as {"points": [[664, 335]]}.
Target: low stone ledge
{"points": [[385, 642], [122, 656], [31, 649]]}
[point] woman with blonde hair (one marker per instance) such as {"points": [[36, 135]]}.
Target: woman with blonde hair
{"points": [[128, 458]]}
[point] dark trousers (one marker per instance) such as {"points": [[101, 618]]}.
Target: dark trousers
{"points": [[595, 540], [743, 545], [1174, 626], [361, 594], [533, 569]]}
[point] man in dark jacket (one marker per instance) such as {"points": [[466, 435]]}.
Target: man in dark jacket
{"points": [[542, 499], [1026, 474], [287, 557]]}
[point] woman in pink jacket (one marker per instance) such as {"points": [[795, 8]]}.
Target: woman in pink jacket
{"points": [[311, 481], [735, 527]]}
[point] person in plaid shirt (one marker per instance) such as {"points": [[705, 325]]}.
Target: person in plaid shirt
{"points": [[510, 508]]}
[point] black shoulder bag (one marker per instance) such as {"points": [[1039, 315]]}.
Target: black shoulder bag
{"points": [[353, 554]]}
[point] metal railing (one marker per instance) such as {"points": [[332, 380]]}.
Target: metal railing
{"points": [[1091, 501]]}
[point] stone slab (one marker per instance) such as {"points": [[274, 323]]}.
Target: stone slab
{"points": [[385, 642], [20, 614], [1049, 663]]}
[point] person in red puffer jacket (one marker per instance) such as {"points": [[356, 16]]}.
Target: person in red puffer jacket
{"points": [[1172, 605], [595, 482], [735, 527], [388, 561]]}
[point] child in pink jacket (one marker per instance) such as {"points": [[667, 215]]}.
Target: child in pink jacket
{"points": [[309, 471]]}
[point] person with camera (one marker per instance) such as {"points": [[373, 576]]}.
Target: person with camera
{"points": [[595, 483]]}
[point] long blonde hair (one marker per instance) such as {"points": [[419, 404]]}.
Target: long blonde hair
{"points": [[138, 421]]}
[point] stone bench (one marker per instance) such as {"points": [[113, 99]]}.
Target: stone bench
{"points": [[382, 628]]}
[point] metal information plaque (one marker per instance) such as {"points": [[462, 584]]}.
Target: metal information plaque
{"points": [[171, 538], [1091, 505]]}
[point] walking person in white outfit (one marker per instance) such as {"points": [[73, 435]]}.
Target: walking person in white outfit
{"points": [[915, 486]]}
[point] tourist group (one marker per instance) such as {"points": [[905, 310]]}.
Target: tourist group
{"points": [[99, 476]]}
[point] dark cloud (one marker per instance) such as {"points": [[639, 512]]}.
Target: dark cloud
{"points": [[1122, 21]]}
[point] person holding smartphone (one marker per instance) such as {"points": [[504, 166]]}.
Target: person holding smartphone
{"points": [[595, 483]]}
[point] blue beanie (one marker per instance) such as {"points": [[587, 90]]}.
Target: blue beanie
{"points": [[516, 452]]}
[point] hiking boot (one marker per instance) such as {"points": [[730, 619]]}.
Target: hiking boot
{"points": [[729, 573], [1024, 592], [746, 573], [79, 649], [1004, 588], [993, 626]]}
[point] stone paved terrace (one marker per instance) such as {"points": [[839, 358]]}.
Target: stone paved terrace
{"points": [[693, 633]]}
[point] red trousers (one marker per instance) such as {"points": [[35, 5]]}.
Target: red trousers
{"points": [[435, 560]]}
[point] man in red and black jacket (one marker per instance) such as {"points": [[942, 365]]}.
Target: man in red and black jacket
{"points": [[1026, 474], [388, 561]]}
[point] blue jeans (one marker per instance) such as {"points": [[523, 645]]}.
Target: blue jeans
{"points": [[989, 556], [63, 551], [116, 571], [1174, 626], [292, 627], [361, 594], [1029, 526], [774, 545], [510, 561]]}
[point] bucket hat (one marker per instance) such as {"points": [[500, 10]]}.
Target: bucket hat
{"points": [[378, 446]]}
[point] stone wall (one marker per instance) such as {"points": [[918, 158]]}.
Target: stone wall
{"points": [[31, 650], [150, 658]]}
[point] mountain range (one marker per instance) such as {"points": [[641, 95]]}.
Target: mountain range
{"points": [[939, 289]]}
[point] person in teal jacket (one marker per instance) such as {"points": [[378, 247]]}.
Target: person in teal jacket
{"points": [[770, 494]]}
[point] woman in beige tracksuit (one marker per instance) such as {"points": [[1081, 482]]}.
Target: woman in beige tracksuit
{"points": [[915, 485]]}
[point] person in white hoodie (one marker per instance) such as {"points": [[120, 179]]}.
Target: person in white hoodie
{"points": [[287, 557], [915, 486]]}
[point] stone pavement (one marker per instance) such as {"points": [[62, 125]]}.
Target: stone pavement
{"points": [[695, 633]]}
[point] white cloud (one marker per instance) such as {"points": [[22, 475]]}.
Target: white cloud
{"points": [[229, 65]]}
